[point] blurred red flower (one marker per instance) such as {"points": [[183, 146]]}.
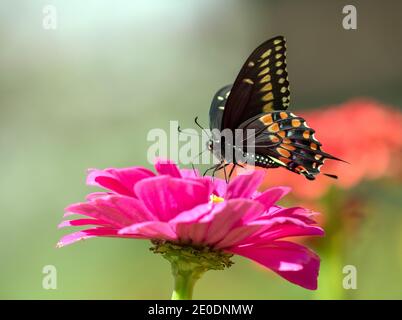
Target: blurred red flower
{"points": [[363, 132]]}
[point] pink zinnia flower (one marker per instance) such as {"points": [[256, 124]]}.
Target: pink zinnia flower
{"points": [[181, 208]]}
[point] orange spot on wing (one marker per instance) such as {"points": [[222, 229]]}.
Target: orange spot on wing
{"points": [[306, 134], [267, 119], [296, 123], [282, 134], [274, 139], [273, 127], [285, 160], [283, 152], [283, 115], [288, 147]]}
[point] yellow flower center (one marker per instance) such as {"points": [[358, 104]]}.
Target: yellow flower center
{"points": [[215, 199]]}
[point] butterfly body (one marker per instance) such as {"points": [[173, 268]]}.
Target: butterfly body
{"points": [[257, 102]]}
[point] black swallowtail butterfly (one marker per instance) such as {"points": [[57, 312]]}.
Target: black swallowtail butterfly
{"points": [[258, 100]]}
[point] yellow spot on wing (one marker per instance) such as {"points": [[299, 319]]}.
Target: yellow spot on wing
{"points": [[317, 157], [279, 71], [268, 97], [266, 53], [251, 64], [264, 63], [277, 48], [266, 78], [268, 107], [267, 87], [277, 41], [264, 71], [284, 89], [278, 63], [249, 81]]}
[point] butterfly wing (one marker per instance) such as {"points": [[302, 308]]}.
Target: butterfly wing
{"points": [[261, 86], [287, 141], [218, 106]]}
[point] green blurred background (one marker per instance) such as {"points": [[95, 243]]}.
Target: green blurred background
{"points": [[86, 94]]}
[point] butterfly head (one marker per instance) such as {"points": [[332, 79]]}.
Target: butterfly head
{"points": [[210, 145]]}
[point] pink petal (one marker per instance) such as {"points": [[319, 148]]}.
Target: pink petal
{"points": [[186, 226], [280, 227], [291, 261], [167, 167], [151, 230], [236, 236], [229, 214], [280, 232], [121, 181], [86, 234], [83, 222], [166, 197], [300, 213], [245, 185], [190, 173], [269, 197], [94, 195], [192, 215], [219, 187], [118, 211]]}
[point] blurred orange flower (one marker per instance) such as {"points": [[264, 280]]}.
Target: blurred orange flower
{"points": [[363, 132]]}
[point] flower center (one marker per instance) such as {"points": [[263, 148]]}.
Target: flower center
{"points": [[215, 199]]}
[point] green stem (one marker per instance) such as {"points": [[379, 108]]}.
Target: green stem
{"points": [[189, 264], [184, 281]]}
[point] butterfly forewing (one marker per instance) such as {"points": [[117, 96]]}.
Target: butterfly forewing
{"points": [[261, 86], [218, 106]]}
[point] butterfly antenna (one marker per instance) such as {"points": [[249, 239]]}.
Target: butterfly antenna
{"points": [[187, 133], [201, 127], [333, 176]]}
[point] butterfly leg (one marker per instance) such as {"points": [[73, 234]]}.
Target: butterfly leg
{"points": [[222, 166], [212, 168], [194, 171], [232, 170]]}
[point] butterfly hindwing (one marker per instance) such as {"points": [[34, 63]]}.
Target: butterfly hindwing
{"points": [[261, 86], [287, 140]]}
